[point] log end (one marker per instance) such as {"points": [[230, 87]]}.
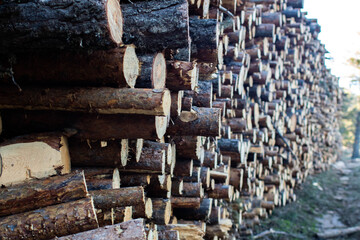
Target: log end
{"points": [[115, 20], [158, 72], [161, 126], [124, 151], [131, 66]]}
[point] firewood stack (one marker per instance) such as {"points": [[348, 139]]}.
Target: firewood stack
{"points": [[158, 119]]}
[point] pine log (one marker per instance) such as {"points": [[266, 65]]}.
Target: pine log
{"points": [[188, 147], [181, 75], [135, 148], [110, 154], [186, 231], [89, 126], [40, 193], [159, 25], [160, 186], [222, 192], [176, 103], [192, 189], [151, 161], [177, 186], [143, 210], [33, 156], [122, 214], [117, 67], [70, 218], [102, 178], [207, 123], [183, 168], [37, 24], [96, 100], [202, 213], [161, 210], [130, 230], [112, 198], [135, 179], [186, 104], [185, 202], [205, 39], [168, 235], [202, 95], [152, 71]]}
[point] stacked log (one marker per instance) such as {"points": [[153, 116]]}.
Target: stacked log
{"points": [[165, 120]]}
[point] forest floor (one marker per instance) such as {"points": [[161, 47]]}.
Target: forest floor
{"points": [[326, 201]]}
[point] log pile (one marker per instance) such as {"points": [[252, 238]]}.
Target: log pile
{"points": [[180, 119]]}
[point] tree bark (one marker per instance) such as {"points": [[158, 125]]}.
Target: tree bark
{"points": [[89, 126], [202, 213], [202, 95], [158, 26], [93, 100], [61, 24], [185, 202], [70, 218], [117, 67], [40, 193], [161, 210], [33, 156], [130, 230]]}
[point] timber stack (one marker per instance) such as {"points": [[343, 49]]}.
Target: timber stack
{"points": [[166, 119]]}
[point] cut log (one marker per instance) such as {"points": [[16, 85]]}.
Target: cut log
{"points": [[151, 161], [202, 95], [89, 126], [202, 213], [33, 156], [186, 231], [40, 193], [158, 26], [122, 214], [185, 202], [205, 39], [112, 198], [161, 210], [135, 179], [135, 148], [206, 123], [143, 211], [181, 75], [168, 235], [130, 230], [96, 100], [117, 67], [109, 154], [70, 218], [153, 71], [189, 147], [35, 24]]}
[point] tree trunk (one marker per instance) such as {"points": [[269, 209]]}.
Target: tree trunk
{"points": [[161, 210], [356, 146], [40, 193], [60, 24], [70, 218], [93, 100], [185, 202], [130, 230], [89, 126], [33, 156], [158, 26], [202, 213], [117, 67]]}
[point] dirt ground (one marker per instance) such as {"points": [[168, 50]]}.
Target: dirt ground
{"points": [[325, 201]]}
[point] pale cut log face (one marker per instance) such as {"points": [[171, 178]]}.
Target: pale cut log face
{"points": [[115, 20], [131, 66], [161, 125], [158, 73]]}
